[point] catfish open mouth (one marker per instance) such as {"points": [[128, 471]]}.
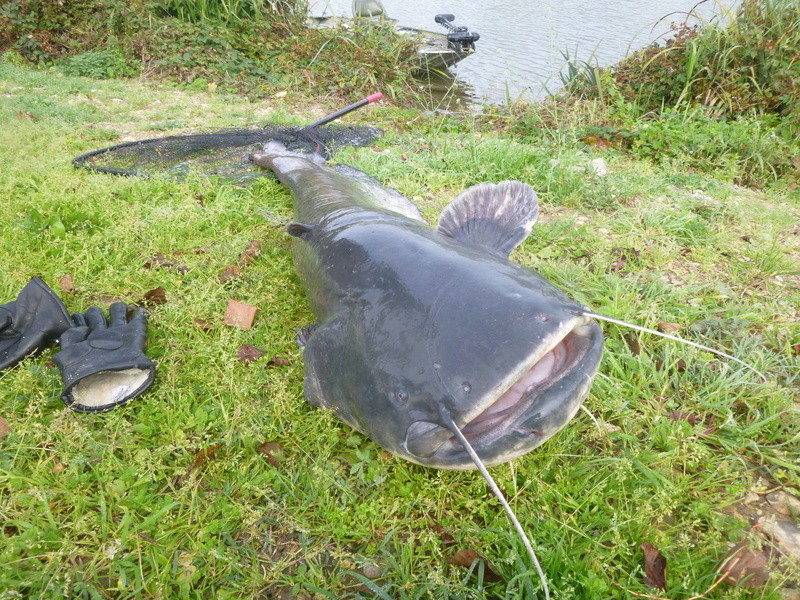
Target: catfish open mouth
{"points": [[504, 412]]}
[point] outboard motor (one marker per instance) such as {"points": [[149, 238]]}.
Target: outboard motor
{"points": [[458, 38]]}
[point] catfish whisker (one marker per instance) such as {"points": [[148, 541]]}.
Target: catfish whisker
{"points": [[676, 339], [496, 491]]}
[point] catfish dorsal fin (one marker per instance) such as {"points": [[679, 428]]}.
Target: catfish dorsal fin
{"points": [[494, 217]]}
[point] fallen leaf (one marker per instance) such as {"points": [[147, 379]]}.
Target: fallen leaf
{"points": [[230, 272], [202, 456], [796, 349], [66, 284], [240, 315], [203, 324], [445, 536], [248, 353], [159, 261], [680, 365], [655, 566], [58, 467], [4, 428], [633, 343], [465, 558], [155, 297], [679, 415], [278, 361], [147, 538], [272, 452], [666, 327], [745, 566], [250, 253]]}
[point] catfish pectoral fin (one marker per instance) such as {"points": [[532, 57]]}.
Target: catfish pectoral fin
{"points": [[322, 356]]}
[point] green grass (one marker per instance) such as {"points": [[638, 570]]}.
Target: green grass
{"points": [[170, 496]]}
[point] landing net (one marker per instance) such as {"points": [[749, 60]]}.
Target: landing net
{"points": [[222, 153]]}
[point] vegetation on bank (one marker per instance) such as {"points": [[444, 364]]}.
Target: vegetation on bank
{"points": [[221, 482], [717, 97], [256, 47]]}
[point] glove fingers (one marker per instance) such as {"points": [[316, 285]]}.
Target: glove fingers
{"points": [[74, 335], [118, 314], [79, 320], [95, 319]]}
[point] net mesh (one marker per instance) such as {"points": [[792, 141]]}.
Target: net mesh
{"points": [[222, 153]]}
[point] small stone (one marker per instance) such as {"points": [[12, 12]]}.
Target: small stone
{"points": [[371, 571], [599, 167], [784, 503], [751, 498], [786, 537]]}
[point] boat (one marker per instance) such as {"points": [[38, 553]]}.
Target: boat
{"points": [[435, 51]]}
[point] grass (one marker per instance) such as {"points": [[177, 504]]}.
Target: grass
{"points": [[174, 496]]}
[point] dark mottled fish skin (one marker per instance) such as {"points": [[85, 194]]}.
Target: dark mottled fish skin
{"points": [[419, 327]]}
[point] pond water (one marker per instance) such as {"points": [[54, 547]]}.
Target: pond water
{"points": [[520, 51]]}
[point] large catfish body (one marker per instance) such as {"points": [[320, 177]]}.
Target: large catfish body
{"points": [[420, 330]]}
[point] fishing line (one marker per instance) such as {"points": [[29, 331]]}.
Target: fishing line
{"points": [[676, 339], [496, 491]]}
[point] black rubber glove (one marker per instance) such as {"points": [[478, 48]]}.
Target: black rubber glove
{"points": [[103, 365], [29, 323]]}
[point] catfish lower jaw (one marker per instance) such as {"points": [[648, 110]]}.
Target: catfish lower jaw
{"points": [[532, 397]]}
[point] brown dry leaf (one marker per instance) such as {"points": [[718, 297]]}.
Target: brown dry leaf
{"points": [[239, 314], [4, 428], [248, 353], [655, 566], [445, 536], [745, 567], [667, 327], [202, 456], [155, 297], [272, 452], [250, 253], [680, 415], [680, 365], [159, 261], [465, 558], [633, 343], [278, 361], [66, 283], [58, 467], [230, 272], [203, 324], [796, 349]]}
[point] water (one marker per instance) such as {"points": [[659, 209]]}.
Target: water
{"points": [[519, 54]]}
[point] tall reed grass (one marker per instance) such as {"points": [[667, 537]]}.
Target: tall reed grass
{"points": [[232, 10], [722, 95], [750, 65]]}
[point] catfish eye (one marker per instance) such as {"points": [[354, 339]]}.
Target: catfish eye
{"points": [[400, 396]]}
